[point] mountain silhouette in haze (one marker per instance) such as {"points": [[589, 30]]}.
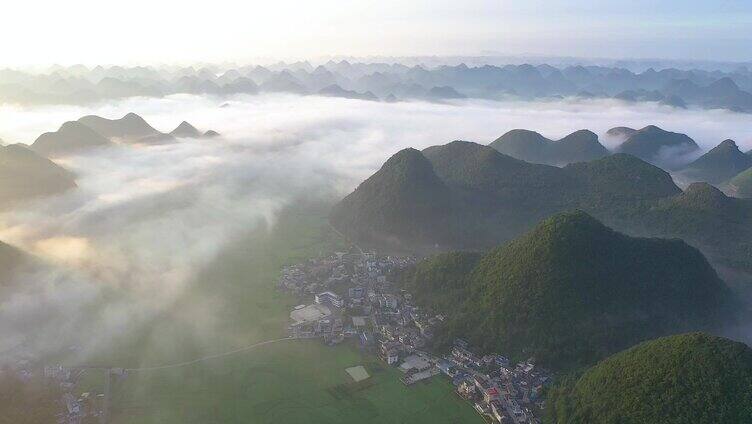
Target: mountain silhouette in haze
{"points": [[658, 146], [720, 164], [72, 137], [131, 128], [530, 146], [25, 174]]}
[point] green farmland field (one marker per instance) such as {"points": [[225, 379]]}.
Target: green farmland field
{"points": [[234, 303]]}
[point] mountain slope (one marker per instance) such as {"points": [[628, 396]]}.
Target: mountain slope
{"points": [[572, 291], [660, 147], [622, 180], [437, 282], [72, 137], [494, 198], [580, 146], [719, 164], [404, 202], [24, 174], [689, 378], [491, 197], [705, 217], [741, 184]]}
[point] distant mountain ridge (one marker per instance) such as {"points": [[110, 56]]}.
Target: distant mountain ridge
{"points": [[658, 146], [72, 137], [335, 90], [727, 89], [530, 146], [718, 165], [93, 131], [130, 128]]}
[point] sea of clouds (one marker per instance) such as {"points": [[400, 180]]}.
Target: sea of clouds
{"points": [[145, 219]]}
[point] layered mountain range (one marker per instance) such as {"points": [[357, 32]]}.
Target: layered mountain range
{"points": [[93, 131], [728, 89], [465, 195]]}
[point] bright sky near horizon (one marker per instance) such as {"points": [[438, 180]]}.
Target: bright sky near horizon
{"points": [[41, 32]]}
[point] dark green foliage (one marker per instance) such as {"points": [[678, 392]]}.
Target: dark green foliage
{"points": [[580, 146], [438, 282], [403, 201], [690, 378], [573, 291], [467, 196], [719, 164], [481, 198], [620, 179], [706, 218]]}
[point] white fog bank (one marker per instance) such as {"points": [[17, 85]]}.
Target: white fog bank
{"points": [[146, 219]]}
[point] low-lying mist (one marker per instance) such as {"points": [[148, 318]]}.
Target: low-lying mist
{"points": [[145, 219]]}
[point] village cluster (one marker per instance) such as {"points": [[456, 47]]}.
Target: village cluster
{"points": [[61, 382], [349, 295], [75, 409]]}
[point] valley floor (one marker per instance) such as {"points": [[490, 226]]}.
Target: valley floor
{"points": [[286, 382]]}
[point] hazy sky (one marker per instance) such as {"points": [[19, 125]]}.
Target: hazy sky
{"points": [[35, 32]]}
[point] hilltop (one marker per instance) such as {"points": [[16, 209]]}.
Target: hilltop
{"points": [[185, 130], [482, 197], [530, 146], [689, 378], [487, 198], [623, 132], [403, 201], [719, 164], [658, 146], [72, 137], [25, 174], [573, 291], [130, 128]]}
